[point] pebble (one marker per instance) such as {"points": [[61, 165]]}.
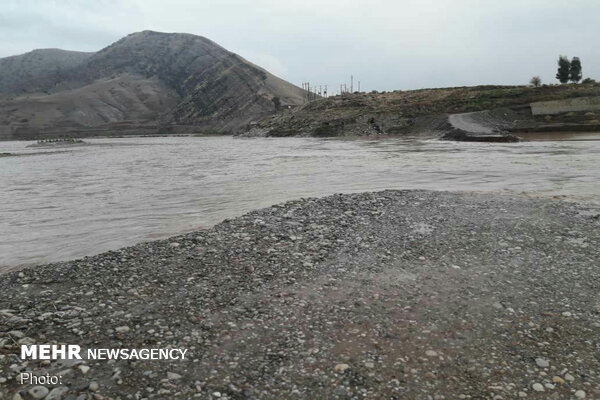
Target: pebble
{"points": [[580, 394], [558, 379], [94, 386], [431, 353], [522, 394], [173, 376], [122, 329], [38, 392], [430, 375], [84, 369], [567, 314], [569, 377], [16, 334], [537, 387], [542, 362], [57, 393], [341, 368]]}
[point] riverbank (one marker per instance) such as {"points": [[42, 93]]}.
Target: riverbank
{"points": [[394, 294], [426, 112]]}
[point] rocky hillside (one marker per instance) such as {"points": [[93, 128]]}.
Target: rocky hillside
{"points": [[38, 70], [414, 111], [147, 82]]}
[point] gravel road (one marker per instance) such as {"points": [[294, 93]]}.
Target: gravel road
{"points": [[470, 122], [387, 295], [481, 126]]}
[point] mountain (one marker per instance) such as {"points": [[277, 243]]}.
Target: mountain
{"points": [[147, 82], [37, 70]]}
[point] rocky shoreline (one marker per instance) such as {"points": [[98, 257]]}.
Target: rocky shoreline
{"points": [[387, 295]]}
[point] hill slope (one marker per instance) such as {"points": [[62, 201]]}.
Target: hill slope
{"points": [[144, 83], [418, 111], [38, 70]]}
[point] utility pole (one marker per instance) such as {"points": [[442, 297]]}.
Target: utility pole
{"points": [[358, 86], [351, 84]]}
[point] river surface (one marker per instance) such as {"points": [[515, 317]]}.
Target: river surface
{"points": [[67, 202]]}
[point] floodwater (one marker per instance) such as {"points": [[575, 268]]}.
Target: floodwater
{"points": [[67, 202], [559, 135]]}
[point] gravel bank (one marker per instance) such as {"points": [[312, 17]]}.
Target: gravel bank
{"points": [[388, 295]]}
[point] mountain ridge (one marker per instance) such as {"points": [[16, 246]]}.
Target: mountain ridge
{"points": [[154, 81]]}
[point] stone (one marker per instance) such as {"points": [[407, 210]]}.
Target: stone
{"points": [[122, 329], [16, 334], [26, 341], [341, 368], [430, 353], [580, 394], [57, 393], [174, 244], [38, 392], [522, 394], [567, 314], [84, 369], [542, 362], [369, 364], [537, 387], [569, 377], [173, 376], [558, 379], [94, 386]]}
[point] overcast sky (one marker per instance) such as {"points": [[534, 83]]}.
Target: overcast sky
{"points": [[386, 44]]}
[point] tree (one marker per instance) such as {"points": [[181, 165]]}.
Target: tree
{"points": [[536, 81], [564, 69], [588, 80], [575, 70]]}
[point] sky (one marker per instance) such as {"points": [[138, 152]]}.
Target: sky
{"points": [[384, 44]]}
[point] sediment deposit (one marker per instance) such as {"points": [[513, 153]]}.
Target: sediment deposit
{"points": [[387, 295]]}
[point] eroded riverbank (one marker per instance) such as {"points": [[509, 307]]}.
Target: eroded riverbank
{"points": [[394, 294]]}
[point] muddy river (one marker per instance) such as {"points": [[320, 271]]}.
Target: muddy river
{"points": [[62, 203]]}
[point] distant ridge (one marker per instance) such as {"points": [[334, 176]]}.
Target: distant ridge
{"points": [[147, 82]]}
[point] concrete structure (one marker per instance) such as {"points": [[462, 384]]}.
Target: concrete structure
{"points": [[564, 106]]}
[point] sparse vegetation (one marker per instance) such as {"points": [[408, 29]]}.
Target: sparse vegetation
{"points": [[536, 81], [399, 110]]}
